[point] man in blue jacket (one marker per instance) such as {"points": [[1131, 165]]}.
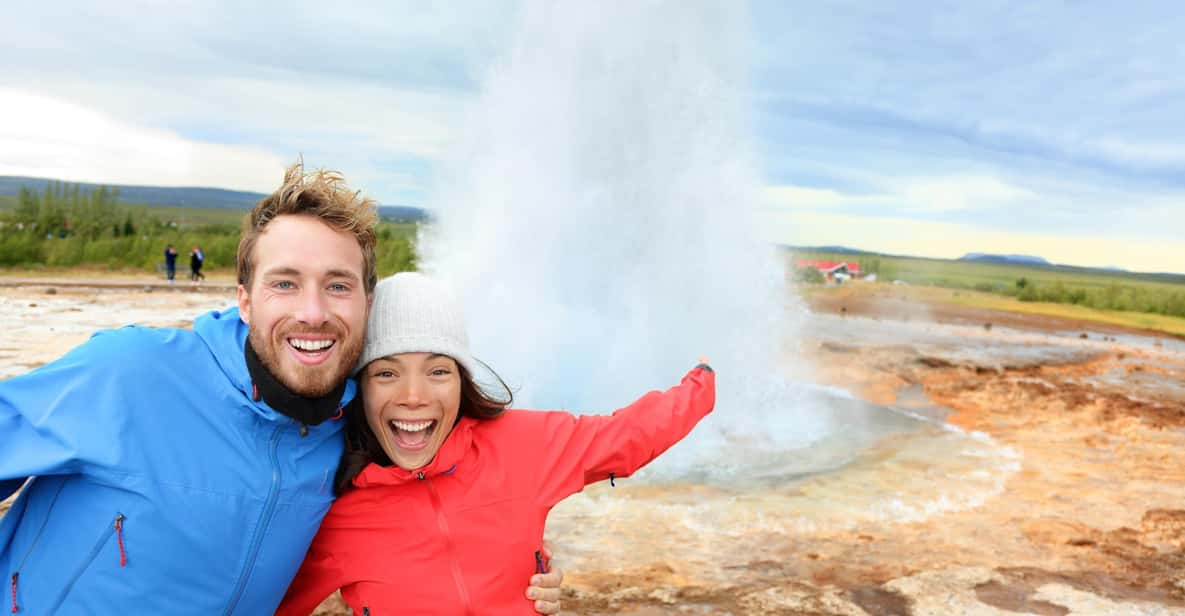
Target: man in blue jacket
{"points": [[197, 491]]}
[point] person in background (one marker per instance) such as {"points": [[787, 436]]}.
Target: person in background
{"points": [[170, 262], [196, 258], [443, 493], [152, 490]]}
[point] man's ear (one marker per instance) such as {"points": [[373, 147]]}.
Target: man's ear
{"points": [[244, 304]]}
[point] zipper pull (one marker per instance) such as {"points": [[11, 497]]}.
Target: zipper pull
{"points": [[539, 566], [304, 430], [15, 609], [365, 611], [612, 476], [123, 555]]}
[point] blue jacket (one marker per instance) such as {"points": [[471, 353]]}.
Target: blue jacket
{"points": [[159, 486]]}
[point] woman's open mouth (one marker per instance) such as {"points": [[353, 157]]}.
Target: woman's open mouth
{"points": [[412, 435]]}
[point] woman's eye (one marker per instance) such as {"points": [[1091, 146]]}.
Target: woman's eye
{"points": [[441, 372], [383, 374]]}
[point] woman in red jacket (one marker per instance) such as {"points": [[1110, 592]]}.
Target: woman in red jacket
{"points": [[443, 492]]}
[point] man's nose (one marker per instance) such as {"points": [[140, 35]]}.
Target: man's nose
{"points": [[313, 311]]}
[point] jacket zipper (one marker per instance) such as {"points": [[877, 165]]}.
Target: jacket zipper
{"points": [[123, 554], [16, 574], [448, 539], [265, 518], [115, 527]]}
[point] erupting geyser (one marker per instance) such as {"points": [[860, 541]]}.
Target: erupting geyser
{"points": [[600, 227]]}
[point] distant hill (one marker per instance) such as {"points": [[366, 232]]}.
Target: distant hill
{"points": [[1016, 259], [844, 250], [217, 198], [1013, 260]]}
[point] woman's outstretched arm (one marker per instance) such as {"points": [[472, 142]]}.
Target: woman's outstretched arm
{"points": [[585, 449]]}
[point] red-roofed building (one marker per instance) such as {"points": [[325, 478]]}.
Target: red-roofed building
{"points": [[831, 270]]}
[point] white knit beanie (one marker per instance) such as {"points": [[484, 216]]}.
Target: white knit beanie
{"points": [[412, 313]]}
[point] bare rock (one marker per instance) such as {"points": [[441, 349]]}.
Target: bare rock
{"points": [[800, 598]]}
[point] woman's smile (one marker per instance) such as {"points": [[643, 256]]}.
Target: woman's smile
{"points": [[412, 401]]}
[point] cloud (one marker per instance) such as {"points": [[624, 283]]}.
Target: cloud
{"points": [[962, 192], [903, 236], [991, 205], [1163, 154], [997, 117], [377, 87], [928, 194], [45, 136]]}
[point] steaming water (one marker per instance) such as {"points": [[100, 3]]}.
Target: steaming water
{"points": [[599, 226]]}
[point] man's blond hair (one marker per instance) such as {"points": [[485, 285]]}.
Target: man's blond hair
{"points": [[323, 195]]}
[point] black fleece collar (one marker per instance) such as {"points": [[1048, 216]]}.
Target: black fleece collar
{"points": [[308, 411]]}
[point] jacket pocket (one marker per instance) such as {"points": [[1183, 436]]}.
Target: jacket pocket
{"points": [[114, 528], [16, 573]]}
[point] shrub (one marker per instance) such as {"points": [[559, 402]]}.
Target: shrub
{"points": [[808, 275]]}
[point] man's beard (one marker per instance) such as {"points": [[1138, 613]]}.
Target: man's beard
{"points": [[307, 381]]}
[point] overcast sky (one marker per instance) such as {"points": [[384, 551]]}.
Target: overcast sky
{"points": [[1043, 128]]}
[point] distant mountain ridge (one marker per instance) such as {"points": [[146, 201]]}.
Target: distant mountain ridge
{"points": [[843, 250], [186, 196], [1025, 259], [1018, 260]]}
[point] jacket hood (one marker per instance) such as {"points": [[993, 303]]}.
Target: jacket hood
{"points": [[225, 334], [452, 450]]}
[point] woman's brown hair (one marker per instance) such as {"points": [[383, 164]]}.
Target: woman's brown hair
{"points": [[363, 448]]}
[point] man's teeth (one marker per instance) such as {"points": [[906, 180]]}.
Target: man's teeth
{"points": [[310, 345], [411, 426]]}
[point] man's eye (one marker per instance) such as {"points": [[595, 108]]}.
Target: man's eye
{"points": [[338, 287], [283, 284]]}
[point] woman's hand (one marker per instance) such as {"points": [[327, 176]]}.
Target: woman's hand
{"points": [[545, 590], [545, 587]]}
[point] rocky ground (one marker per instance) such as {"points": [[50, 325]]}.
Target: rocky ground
{"points": [[1091, 522], [1088, 516]]}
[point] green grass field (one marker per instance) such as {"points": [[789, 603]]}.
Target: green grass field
{"points": [[1074, 291], [215, 230]]}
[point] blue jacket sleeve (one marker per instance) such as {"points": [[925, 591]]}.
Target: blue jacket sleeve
{"points": [[68, 414]]}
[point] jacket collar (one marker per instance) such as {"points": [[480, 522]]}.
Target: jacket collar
{"points": [[306, 410], [225, 334], [452, 453]]}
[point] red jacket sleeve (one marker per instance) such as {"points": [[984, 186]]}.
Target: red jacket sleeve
{"points": [[588, 448], [319, 575]]}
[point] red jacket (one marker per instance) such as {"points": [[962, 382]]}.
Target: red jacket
{"points": [[459, 536]]}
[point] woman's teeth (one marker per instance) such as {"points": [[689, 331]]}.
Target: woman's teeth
{"points": [[412, 426]]}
